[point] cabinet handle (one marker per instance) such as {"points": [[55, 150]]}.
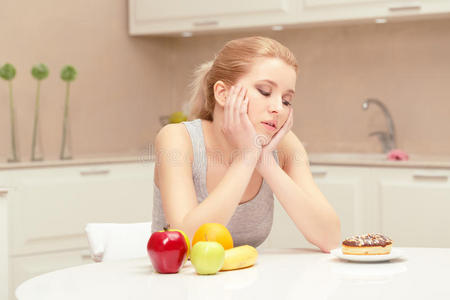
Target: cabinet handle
{"points": [[95, 172], [430, 176], [405, 6], [3, 192], [206, 23]]}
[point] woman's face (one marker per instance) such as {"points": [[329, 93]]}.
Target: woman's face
{"points": [[270, 87]]}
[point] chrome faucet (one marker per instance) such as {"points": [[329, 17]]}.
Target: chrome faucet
{"points": [[387, 139]]}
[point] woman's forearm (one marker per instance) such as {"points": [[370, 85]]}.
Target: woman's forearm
{"points": [[312, 214], [222, 202]]}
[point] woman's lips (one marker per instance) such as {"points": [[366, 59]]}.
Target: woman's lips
{"points": [[268, 127]]}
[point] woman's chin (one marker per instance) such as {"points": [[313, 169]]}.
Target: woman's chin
{"points": [[262, 138]]}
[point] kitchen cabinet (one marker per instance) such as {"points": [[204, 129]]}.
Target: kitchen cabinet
{"points": [[410, 205], [344, 10], [414, 207], [348, 10], [51, 206], [175, 16], [72, 197]]}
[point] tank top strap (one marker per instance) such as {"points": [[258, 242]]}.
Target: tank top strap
{"points": [[275, 154], [195, 131]]}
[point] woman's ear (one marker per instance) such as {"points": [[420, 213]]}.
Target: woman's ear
{"points": [[220, 92]]}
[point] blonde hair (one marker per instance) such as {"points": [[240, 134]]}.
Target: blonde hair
{"points": [[232, 62]]}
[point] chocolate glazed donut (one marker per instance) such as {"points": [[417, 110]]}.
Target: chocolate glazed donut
{"points": [[368, 244]]}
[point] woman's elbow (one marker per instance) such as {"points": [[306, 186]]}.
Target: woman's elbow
{"points": [[332, 239]]}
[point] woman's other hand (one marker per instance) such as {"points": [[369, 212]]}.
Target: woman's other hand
{"points": [[266, 152]]}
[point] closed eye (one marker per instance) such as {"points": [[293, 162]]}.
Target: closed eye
{"points": [[264, 93], [267, 94]]}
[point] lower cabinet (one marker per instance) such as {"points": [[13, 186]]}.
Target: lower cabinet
{"points": [[50, 207], [415, 207], [409, 205]]}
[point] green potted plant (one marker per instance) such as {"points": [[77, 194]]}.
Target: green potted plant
{"points": [[39, 72], [8, 72], [68, 74]]}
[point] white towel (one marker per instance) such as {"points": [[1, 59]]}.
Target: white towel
{"points": [[112, 241]]}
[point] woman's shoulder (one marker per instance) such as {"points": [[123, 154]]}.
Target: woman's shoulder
{"points": [[174, 137]]}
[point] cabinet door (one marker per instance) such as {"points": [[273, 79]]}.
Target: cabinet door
{"points": [[171, 16], [415, 205], [343, 10], [343, 188], [52, 206], [26, 267], [340, 3]]}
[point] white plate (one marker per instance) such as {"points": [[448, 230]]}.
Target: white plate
{"points": [[395, 253]]}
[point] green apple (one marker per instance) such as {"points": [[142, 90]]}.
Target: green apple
{"points": [[177, 117], [207, 257]]}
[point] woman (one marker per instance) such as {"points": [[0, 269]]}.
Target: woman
{"points": [[224, 165]]}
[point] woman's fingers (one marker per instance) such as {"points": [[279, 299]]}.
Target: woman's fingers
{"points": [[234, 106], [244, 106], [245, 121], [288, 124], [230, 102], [227, 108], [291, 118], [238, 104], [282, 132]]}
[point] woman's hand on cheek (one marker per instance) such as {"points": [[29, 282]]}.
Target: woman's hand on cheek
{"points": [[272, 145], [237, 127]]}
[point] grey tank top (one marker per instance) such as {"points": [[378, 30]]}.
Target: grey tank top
{"points": [[251, 222]]}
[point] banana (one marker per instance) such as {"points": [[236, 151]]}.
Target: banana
{"points": [[239, 257]]}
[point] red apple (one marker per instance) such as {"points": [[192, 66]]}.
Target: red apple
{"points": [[167, 250]]}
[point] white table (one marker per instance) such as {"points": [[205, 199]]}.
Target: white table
{"points": [[423, 273]]}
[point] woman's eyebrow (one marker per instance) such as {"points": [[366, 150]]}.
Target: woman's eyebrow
{"points": [[276, 85]]}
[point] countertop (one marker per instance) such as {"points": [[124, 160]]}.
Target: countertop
{"points": [[379, 160], [422, 273], [338, 159], [75, 162]]}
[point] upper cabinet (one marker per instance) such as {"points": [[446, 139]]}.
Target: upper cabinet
{"points": [[175, 17], [317, 11]]}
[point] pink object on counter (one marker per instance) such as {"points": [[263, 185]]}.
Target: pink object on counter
{"points": [[397, 154]]}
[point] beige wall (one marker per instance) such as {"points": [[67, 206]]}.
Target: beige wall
{"points": [[125, 83], [122, 86]]}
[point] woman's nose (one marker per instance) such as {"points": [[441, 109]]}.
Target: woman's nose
{"points": [[276, 105]]}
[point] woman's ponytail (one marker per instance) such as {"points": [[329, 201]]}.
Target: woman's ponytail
{"points": [[198, 105]]}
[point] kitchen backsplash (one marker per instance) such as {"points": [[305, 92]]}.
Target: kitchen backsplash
{"points": [[125, 83]]}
